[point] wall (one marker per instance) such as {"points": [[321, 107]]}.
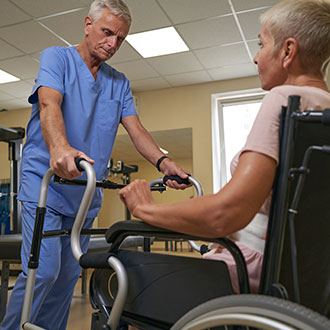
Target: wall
{"points": [[113, 210], [166, 109]]}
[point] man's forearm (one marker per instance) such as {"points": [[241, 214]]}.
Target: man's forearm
{"points": [[53, 128]]}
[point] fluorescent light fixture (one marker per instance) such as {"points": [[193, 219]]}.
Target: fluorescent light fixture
{"points": [[157, 42], [6, 77], [163, 151]]}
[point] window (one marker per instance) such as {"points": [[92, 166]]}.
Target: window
{"points": [[233, 115]]}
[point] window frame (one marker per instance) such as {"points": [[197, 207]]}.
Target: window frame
{"points": [[218, 146]]}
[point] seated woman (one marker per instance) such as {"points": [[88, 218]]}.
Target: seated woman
{"points": [[292, 60]]}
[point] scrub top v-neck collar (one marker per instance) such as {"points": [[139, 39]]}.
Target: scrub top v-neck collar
{"points": [[85, 69]]}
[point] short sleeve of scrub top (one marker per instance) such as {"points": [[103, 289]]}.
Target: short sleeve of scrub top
{"points": [[92, 110], [49, 75]]}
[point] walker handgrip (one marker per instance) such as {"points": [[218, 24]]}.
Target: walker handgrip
{"points": [[176, 178], [77, 161]]}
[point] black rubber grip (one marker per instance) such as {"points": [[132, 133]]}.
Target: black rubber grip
{"points": [[95, 260], [77, 161], [175, 178]]}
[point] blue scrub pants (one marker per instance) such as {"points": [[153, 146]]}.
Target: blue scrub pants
{"points": [[57, 273]]}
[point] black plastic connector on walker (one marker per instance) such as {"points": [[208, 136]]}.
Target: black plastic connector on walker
{"points": [[37, 236]]}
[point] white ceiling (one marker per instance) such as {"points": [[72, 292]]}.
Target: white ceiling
{"points": [[221, 36]]}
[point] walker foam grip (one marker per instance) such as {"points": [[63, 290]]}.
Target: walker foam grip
{"points": [[326, 117], [95, 260], [77, 161], [175, 178]]}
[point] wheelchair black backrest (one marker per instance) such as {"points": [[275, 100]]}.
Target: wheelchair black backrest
{"points": [[299, 131]]}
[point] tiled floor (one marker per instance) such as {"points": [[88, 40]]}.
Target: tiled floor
{"points": [[81, 310]]}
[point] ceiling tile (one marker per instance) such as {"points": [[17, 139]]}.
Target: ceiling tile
{"points": [[8, 51], [17, 89], [22, 67], [59, 24], [146, 15], [210, 32], [149, 84], [14, 104], [189, 78], [234, 71], [39, 8], [136, 70], [175, 63], [35, 56], [251, 4], [223, 55], [4, 96], [124, 54], [190, 10], [30, 81], [250, 23], [10, 14], [29, 37]]}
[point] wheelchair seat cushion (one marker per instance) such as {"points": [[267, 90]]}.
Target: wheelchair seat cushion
{"points": [[162, 287]]}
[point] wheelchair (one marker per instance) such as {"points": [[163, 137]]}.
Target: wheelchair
{"points": [[155, 291]]}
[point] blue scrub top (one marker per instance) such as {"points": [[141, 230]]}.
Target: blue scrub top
{"points": [[91, 110]]}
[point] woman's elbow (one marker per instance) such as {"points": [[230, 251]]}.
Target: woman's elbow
{"points": [[226, 223]]}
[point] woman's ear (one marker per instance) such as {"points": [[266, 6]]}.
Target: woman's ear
{"points": [[290, 49]]}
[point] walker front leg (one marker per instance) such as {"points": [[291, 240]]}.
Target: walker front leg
{"points": [[34, 255]]}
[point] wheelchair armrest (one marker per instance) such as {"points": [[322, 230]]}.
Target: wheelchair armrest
{"points": [[120, 230]]}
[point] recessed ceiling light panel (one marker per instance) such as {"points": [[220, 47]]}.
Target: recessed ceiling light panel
{"points": [[7, 77], [157, 42]]}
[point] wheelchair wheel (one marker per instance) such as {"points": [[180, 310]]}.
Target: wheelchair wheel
{"points": [[251, 311]]}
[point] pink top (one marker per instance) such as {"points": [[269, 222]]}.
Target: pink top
{"points": [[264, 138], [264, 135]]}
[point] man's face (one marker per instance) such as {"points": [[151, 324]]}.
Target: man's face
{"points": [[105, 35]]}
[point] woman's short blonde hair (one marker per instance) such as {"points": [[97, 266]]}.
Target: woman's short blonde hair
{"points": [[307, 21], [117, 8]]}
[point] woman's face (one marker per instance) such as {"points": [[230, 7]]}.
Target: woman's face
{"points": [[270, 68]]}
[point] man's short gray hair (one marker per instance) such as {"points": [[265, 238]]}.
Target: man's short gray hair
{"points": [[307, 21], [117, 8]]}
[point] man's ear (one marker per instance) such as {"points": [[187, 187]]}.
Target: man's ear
{"points": [[88, 24], [290, 49]]}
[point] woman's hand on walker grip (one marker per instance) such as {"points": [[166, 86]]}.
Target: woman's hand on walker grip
{"points": [[135, 195]]}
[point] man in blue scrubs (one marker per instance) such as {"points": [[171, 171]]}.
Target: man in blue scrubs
{"points": [[77, 102]]}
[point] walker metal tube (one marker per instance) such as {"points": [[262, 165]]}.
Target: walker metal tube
{"points": [[83, 209], [34, 256], [121, 296], [44, 188], [28, 297], [30, 326], [199, 191]]}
